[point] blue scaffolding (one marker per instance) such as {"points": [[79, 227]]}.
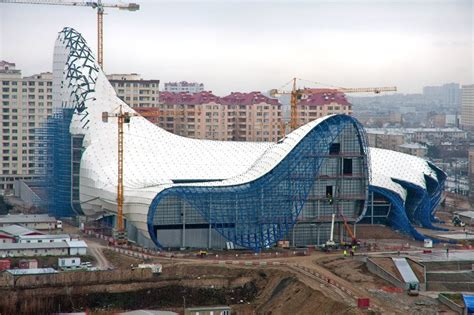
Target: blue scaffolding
{"points": [[257, 214]]}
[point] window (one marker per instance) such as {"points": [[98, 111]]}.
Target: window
{"points": [[347, 167], [335, 148]]}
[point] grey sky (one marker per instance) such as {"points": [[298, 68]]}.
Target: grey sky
{"points": [[258, 45]]}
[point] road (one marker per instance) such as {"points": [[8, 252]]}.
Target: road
{"points": [[95, 249]]}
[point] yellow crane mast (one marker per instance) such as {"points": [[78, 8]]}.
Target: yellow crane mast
{"points": [[122, 118], [99, 5], [296, 94]]}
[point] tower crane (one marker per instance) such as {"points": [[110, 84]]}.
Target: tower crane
{"points": [[123, 118], [297, 93], [98, 4]]}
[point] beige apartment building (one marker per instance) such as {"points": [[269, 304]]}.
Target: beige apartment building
{"points": [[237, 117], [322, 102], [467, 107], [25, 104], [134, 90], [385, 139], [415, 149]]}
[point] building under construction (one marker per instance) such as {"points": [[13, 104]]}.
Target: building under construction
{"points": [[183, 192]]}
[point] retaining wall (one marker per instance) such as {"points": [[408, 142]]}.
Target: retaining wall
{"points": [[384, 274], [451, 304], [450, 286], [448, 265], [460, 276], [75, 278]]}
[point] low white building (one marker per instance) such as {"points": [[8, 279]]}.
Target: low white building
{"points": [[77, 247], [34, 221], [68, 262], [34, 271], [32, 250], [46, 238], [16, 231], [72, 248]]}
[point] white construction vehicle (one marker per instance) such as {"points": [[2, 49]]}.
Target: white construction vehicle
{"points": [[330, 244]]}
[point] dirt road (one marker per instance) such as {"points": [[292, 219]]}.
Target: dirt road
{"points": [[95, 250]]}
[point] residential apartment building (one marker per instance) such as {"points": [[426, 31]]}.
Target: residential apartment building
{"points": [[184, 87], [385, 139], [322, 102], [253, 117], [467, 107], [471, 175], [446, 94], [24, 105], [238, 116], [134, 90], [415, 149]]}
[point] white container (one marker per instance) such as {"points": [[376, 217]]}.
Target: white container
{"points": [[428, 243], [68, 262]]}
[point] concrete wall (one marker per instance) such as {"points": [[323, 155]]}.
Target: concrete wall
{"points": [[461, 276], [77, 251], [26, 194], [34, 252], [448, 265], [451, 304], [384, 274], [450, 286], [74, 278]]}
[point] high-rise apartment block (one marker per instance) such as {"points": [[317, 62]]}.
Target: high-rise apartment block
{"points": [[25, 104], [322, 102], [134, 90], [184, 87], [238, 116], [446, 94], [467, 107]]}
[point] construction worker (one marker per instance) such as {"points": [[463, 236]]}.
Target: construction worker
{"points": [[345, 252], [330, 199]]}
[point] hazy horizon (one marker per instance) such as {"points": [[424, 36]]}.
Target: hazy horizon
{"points": [[259, 45]]}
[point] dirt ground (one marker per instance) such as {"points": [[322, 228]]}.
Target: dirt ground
{"points": [[367, 231], [289, 296], [118, 260], [355, 271]]}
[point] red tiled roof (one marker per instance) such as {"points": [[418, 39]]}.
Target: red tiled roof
{"points": [[319, 97], [170, 98], [184, 83], [235, 98]]}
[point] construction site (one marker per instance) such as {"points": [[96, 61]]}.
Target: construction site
{"points": [[388, 273]]}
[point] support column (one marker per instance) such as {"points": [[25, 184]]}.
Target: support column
{"points": [[183, 233], [372, 208], [209, 240]]}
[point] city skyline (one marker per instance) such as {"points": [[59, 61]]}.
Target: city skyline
{"points": [[409, 44]]}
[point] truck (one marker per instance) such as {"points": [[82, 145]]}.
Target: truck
{"points": [[457, 221], [155, 268], [330, 244]]}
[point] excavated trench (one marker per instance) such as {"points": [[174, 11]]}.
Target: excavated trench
{"points": [[247, 290]]}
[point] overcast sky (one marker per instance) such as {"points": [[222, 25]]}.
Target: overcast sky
{"points": [[259, 45]]}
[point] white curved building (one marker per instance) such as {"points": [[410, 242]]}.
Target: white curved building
{"points": [[182, 192]]}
